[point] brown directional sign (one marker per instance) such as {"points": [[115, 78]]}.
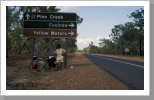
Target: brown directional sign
{"points": [[50, 25], [56, 33]]}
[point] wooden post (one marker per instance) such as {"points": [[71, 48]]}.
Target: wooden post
{"points": [[50, 47], [32, 51]]}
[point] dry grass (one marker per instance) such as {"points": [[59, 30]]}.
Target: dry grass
{"points": [[140, 59]]}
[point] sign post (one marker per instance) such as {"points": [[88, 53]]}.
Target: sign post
{"points": [[50, 25], [32, 49], [50, 47]]}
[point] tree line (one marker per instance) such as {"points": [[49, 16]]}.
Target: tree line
{"points": [[128, 35], [17, 44]]}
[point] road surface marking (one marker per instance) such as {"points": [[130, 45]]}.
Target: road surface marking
{"points": [[120, 61]]}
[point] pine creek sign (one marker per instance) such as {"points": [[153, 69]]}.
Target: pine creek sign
{"points": [[55, 25]]}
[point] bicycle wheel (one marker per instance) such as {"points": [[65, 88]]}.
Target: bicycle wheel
{"points": [[47, 67], [40, 67], [33, 65]]}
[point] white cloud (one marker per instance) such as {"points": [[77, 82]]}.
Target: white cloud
{"points": [[67, 8], [82, 43]]}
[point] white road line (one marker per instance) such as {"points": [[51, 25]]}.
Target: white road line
{"points": [[120, 61]]}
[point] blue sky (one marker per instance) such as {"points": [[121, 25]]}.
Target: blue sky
{"points": [[98, 21]]}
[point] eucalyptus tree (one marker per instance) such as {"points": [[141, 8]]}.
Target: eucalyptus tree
{"points": [[117, 37], [107, 46], [138, 18], [12, 19], [131, 34]]}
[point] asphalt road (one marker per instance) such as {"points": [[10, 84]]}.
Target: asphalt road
{"points": [[129, 72]]}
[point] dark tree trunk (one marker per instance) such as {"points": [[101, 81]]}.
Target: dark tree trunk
{"points": [[23, 45]]}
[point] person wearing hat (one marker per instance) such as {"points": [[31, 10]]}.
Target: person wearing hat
{"points": [[59, 56]]}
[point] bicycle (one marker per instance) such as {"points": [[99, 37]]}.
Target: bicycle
{"points": [[46, 63]]}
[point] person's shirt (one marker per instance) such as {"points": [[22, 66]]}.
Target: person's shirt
{"points": [[59, 53]]}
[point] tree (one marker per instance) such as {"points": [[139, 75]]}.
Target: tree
{"points": [[107, 45], [12, 18], [138, 17], [130, 35], [86, 50], [117, 37], [72, 47], [79, 20]]}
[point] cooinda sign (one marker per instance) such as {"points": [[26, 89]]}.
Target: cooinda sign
{"points": [[50, 25]]}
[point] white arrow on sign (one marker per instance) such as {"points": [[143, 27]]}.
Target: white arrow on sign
{"points": [[27, 15], [72, 25], [72, 33]]}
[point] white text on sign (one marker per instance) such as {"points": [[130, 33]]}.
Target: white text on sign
{"points": [[56, 17], [53, 33], [39, 16], [71, 25]]}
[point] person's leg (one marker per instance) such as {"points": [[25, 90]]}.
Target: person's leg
{"points": [[61, 64], [58, 65]]}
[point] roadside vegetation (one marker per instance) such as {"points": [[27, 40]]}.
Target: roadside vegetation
{"points": [[129, 35]]}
